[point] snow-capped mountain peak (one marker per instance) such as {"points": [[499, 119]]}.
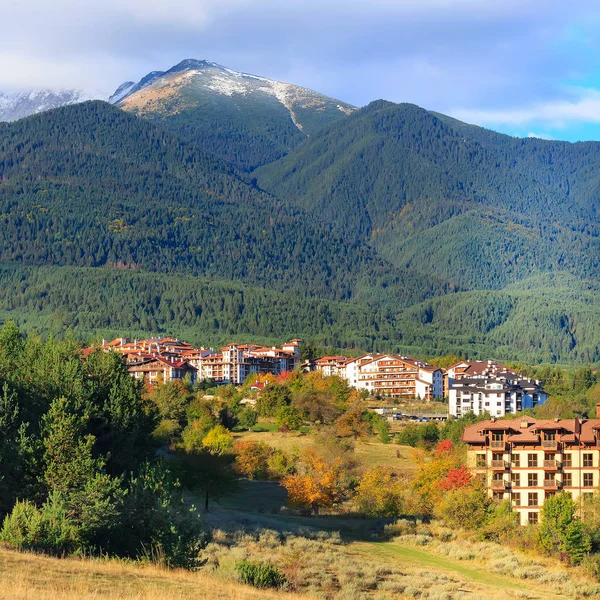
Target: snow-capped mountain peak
{"points": [[185, 84], [23, 104]]}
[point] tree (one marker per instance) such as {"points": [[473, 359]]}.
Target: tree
{"points": [[456, 479], [431, 474], [352, 424], [68, 457], [502, 524], [211, 474], [218, 441], [317, 484], [171, 398], [316, 406], [379, 494], [466, 507], [289, 417], [271, 399], [252, 458], [247, 418], [192, 437], [560, 529]]}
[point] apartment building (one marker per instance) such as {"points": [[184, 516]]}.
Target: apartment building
{"points": [[528, 460], [169, 359], [161, 369], [386, 375], [331, 365], [498, 395]]}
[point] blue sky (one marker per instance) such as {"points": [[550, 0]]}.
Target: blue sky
{"points": [[527, 67]]}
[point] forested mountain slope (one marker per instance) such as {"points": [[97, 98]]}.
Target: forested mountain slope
{"points": [[90, 185], [245, 119], [439, 196], [394, 229], [554, 320]]}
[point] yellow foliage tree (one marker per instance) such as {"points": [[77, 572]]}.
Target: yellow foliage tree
{"points": [[432, 471], [317, 484], [379, 494]]}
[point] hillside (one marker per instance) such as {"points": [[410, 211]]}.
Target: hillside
{"points": [[394, 229], [245, 119], [441, 197], [25, 576], [89, 185], [553, 319]]}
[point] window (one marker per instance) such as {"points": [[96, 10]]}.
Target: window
{"points": [[532, 460], [549, 495], [516, 460], [516, 479], [532, 499], [550, 436], [588, 460], [532, 518], [481, 477], [567, 460], [497, 477], [516, 498], [532, 479], [587, 496], [481, 462], [498, 496], [588, 480], [496, 456]]}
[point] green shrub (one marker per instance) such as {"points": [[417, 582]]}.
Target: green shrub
{"points": [[260, 575], [166, 432], [45, 529]]}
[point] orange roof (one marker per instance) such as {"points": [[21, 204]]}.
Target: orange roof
{"points": [[527, 429]]}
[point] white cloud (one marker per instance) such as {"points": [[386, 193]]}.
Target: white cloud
{"points": [[540, 136], [584, 108]]}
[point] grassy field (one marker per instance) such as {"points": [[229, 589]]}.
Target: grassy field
{"points": [[26, 576], [369, 453]]}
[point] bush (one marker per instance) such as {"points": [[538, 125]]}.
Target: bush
{"points": [[166, 432], [45, 529], [259, 575]]}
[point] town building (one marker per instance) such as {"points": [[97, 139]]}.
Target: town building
{"points": [[331, 365], [498, 394], [169, 359], [527, 460], [400, 376], [386, 375]]}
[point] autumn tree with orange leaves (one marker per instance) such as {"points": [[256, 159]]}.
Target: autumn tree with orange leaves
{"points": [[318, 483]]}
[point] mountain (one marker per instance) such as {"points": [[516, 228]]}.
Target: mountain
{"points": [[444, 198], [244, 119], [18, 106], [91, 186], [390, 229]]}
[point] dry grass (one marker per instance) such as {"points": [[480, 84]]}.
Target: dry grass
{"points": [[26, 576]]}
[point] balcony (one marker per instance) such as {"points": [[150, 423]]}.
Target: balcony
{"points": [[551, 483], [550, 445], [500, 484], [499, 465], [551, 465], [497, 444]]}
